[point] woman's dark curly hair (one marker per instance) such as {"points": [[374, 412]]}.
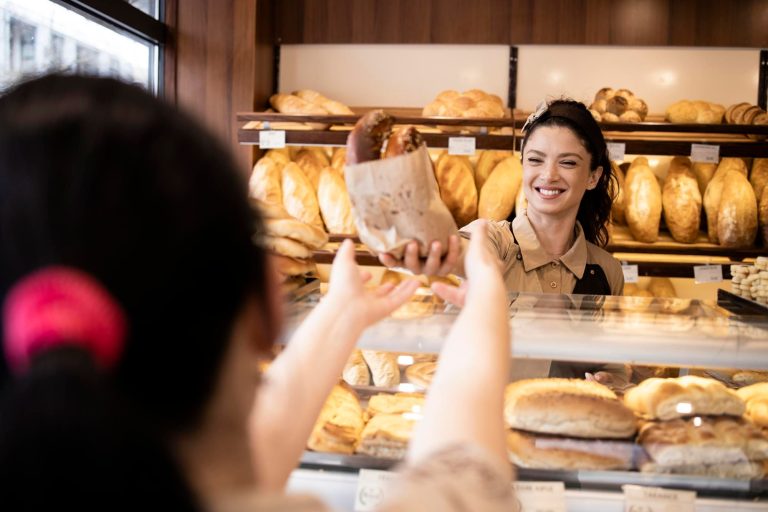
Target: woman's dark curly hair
{"points": [[595, 207]]}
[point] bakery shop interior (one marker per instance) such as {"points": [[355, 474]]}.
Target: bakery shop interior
{"points": [[384, 255]]}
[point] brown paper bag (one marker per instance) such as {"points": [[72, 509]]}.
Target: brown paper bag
{"points": [[396, 200]]}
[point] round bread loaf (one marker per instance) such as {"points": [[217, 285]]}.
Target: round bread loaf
{"points": [[569, 407], [617, 105], [528, 450]]}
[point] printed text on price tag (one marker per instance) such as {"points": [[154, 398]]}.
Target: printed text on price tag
{"points": [[630, 273], [657, 499], [540, 496], [707, 274], [705, 153], [616, 151], [371, 489], [272, 139], [461, 146]]}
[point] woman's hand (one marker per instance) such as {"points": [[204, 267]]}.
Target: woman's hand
{"points": [[357, 304], [436, 263]]}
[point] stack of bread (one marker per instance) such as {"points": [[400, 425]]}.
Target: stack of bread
{"points": [[695, 112], [391, 423], [366, 366], [746, 113], [751, 281], [621, 105], [473, 103], [694, 425], [731, 206], [308, 102], [340, 424], [568, 424]]}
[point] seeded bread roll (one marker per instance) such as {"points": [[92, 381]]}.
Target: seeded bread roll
{"points": [[666, 399], [681, 201], [528, 450], [568, 407]]}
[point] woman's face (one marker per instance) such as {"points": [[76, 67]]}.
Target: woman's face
{"points": [[556, 172]]}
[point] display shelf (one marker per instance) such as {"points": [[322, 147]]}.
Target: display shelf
{"points": [[684, 333]]}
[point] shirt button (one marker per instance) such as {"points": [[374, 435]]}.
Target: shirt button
{"points": [[554, 263], [553, 284]]}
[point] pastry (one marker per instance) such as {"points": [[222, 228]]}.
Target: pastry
{"points": [[387, 435], [667, 399], [497, 197], [398, 403], [528, 450], [339, 424], [385, 371]]}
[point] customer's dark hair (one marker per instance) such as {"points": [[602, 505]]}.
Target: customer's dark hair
{"points": [[595, 207], [101, 176]]}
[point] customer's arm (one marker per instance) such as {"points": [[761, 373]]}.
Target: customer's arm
{"points": [[301, 377]]}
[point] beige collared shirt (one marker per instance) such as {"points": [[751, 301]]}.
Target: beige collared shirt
{"points": [[528, 268]]}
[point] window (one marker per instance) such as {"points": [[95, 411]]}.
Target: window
{"points": [[38, 36]]}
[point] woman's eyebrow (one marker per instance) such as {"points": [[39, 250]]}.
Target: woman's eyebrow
{"points": [[562, 155]]}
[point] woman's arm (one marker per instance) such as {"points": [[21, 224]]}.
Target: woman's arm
{"points": [[301, 377]]}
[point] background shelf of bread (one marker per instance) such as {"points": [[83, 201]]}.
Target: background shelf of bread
{"points": [[689, 425]]}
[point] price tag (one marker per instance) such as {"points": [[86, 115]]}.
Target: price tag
{"points": [[461, 146], [540, 496], [657, 499], [272, 139], [616, 151], [705, 153], [630, 273], [371, 489], [707, 274]]}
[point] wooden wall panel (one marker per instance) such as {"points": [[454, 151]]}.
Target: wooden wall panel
{"points": [[731, 23]]}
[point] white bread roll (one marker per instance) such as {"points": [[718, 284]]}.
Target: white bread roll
{"points": [[667, 399], [681, 201], [643, 210], [497, 197]]}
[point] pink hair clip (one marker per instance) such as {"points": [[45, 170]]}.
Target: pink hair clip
{"points": [[57, 306]]}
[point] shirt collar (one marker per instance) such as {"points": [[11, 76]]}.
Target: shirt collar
{"points": [[534, 256]]}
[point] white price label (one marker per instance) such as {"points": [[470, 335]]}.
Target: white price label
{"points": [[630, 273], [371, 489], [705, 153], [272, 139], [616, 151], [657, 499], [707, 274], [540, 496], [461, 146]]}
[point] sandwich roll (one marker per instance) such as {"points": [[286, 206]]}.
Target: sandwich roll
{"points": [[536, 451]]}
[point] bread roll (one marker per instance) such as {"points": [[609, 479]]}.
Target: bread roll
{"points": [[335, 206], [536, 451], [682, 112], [447, 95], [737, 212], [280, 156], [306, 234], [264, 183], [387, 436], [599, 105], [681, 201], [643, 210], [340, 423], [355, 372], [756, 398], [384, 369], [299, 197], [666, 399], [703, 173], [398, 403], [617, 186], [617, 105], [630, 116], [332, 106], [569, 407], [290, 104], [497, 197], [457, 187], [608, 117], [486, 162], [604, 94], [293, 267], [421, 374], [638, 106], [759, 175]]}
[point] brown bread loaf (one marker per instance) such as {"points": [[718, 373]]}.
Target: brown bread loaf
{"points": [[335, 206], [497, 197], [737, 212], [643, 210], [703, 173], [299, 197], [759, 175], [403, 140], [681, 201], [714, 192], [457, 187], [763, 215]]}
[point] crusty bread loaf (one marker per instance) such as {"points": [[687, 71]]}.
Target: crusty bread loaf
{"points": [[264, 183], [521, 201], [332, 106], [536, 451], [702, 440], [308, 235], [387, 436], [568, 407], [714, 193], [643, 210], [280, 156], [617, 186], [309, 163], [397, 403], [335, 205], [486, 163], [457, 187], [759, 175], [703, 173], [384, 369], [421, 374], [292, 266], [661, 287], [299, 197], [681, 201], [290, 104], [737, 212], [762, 213], [498, 195], [355, 372], [701, 112], [338, 159], [667, 399], [340, 423]]}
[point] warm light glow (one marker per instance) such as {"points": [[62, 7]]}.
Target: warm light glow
{"points": [[684, 408], [412, 416], [406, 387], [696, 421], [416, 408], [404, 360]]}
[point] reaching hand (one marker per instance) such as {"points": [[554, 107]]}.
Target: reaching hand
{"points": [[357, 304], [435, 264]]}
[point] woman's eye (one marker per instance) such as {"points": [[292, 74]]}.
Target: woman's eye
{"points": [[534, 160], [568, 163]]}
